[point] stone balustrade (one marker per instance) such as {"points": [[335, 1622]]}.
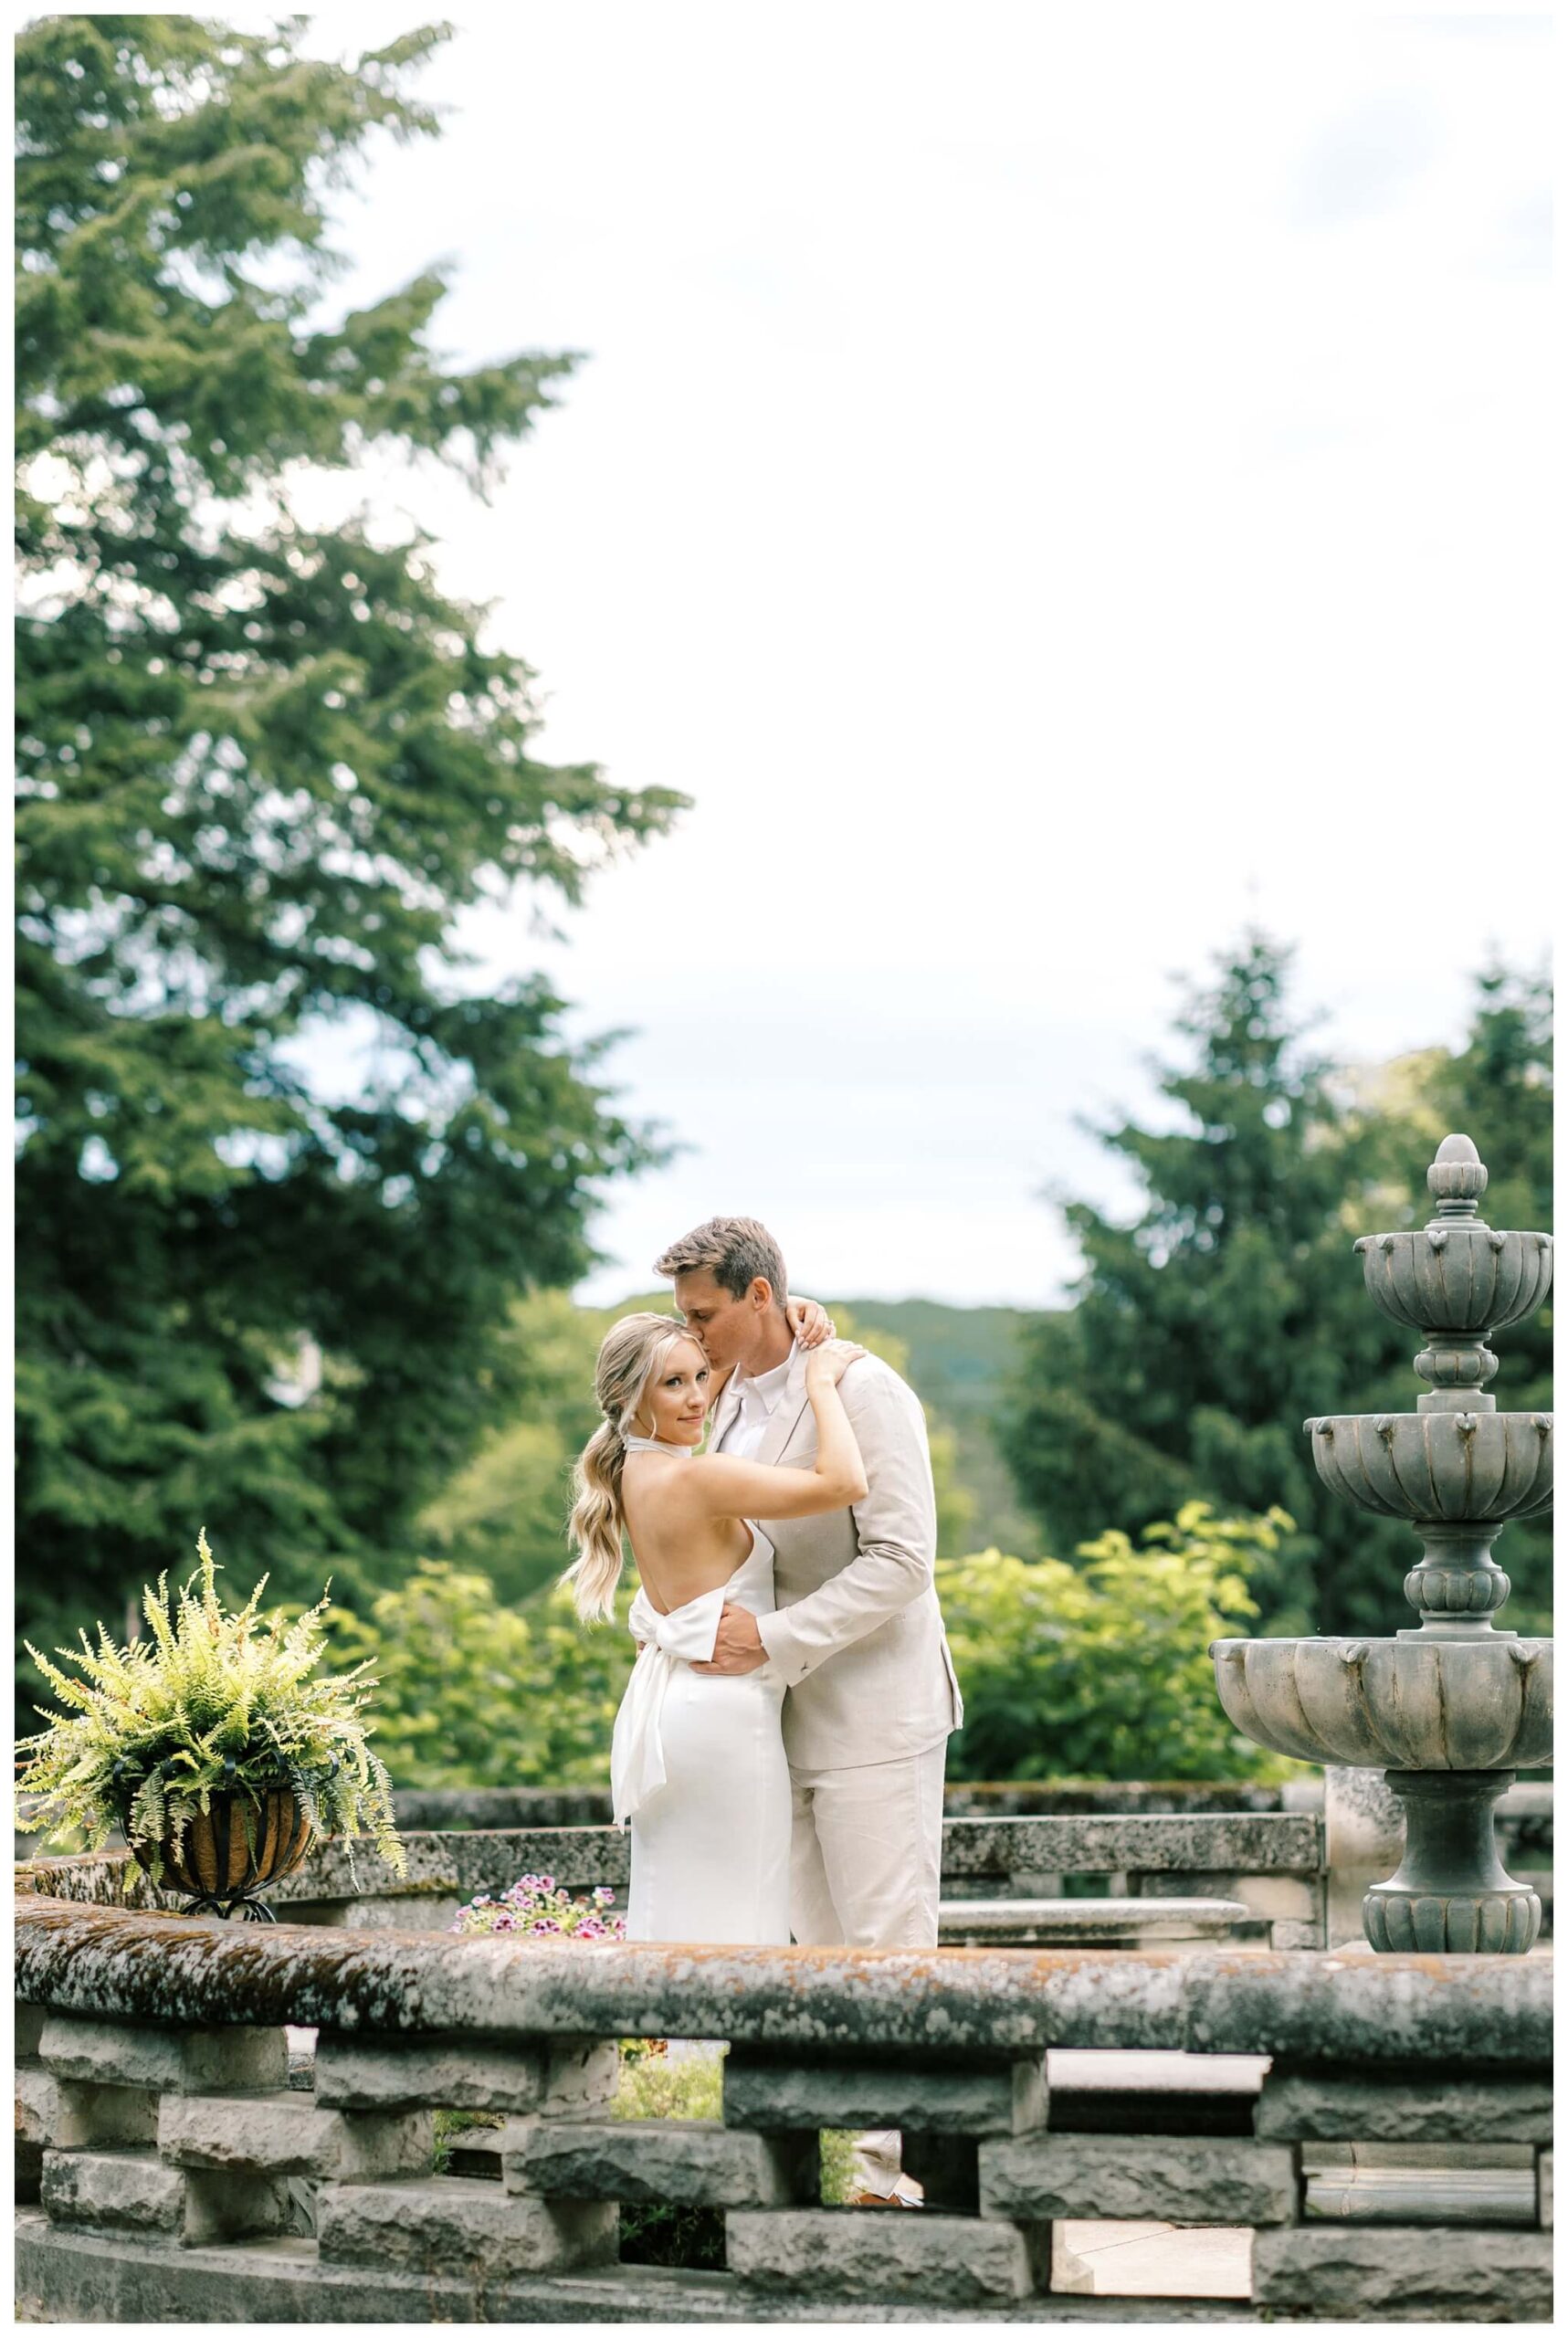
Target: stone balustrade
{"points": [[178, 2171], [1246, 1877], [1315, 1905]]}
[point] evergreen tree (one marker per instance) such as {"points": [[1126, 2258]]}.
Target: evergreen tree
{"points": [[262, 769], [1233, 1308], [1498, 1089]]}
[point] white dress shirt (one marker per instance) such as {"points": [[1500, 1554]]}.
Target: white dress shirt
{"points": [[758, 1395]]}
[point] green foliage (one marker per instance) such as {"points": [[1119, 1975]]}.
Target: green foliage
{"points": [[954, 1502], [959, 1359], [1232, 1308], [473, 1692], [212, 1702], [656, 2085], [450, 2127], [838, 2174], [504, 1513], [1101, 1669], [1097, 1671], [263, 768], [1498, 1089], [661, 2086]]}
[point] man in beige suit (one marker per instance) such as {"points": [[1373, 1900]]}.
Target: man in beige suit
{"points": [[858, 1634]]}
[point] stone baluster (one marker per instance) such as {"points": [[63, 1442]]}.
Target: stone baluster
{"points": [[946, 2115], [1397, 2163], [93, 2102], [408, 2218]]}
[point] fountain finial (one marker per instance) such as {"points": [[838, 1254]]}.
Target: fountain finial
{"points": [[1457, 1179]]}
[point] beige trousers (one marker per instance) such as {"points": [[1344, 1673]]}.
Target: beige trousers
{"points": [[866, 1872]]}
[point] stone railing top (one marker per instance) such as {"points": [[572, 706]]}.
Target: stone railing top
{"points": [[481, 1858], [445, 1807], [183, 1970]]}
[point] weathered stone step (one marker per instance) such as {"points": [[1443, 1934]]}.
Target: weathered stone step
{"points": [[1042, 1924]]}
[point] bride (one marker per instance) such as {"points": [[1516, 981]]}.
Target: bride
{"points": [[697, 1762]]}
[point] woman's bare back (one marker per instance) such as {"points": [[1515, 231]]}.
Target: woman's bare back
{"points": [[681, 1549]]}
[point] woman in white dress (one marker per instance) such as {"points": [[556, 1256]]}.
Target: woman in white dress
{"points": [[697, 1761]]}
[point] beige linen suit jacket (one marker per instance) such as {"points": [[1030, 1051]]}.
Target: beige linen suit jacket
{"points": [[857, 1635]]}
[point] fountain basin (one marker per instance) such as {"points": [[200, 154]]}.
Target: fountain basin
{"points": [[1413, 1703], [1463, 1278], [1477, 1468]]}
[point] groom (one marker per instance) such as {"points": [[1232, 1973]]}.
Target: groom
{"points": [[858, 1634]]}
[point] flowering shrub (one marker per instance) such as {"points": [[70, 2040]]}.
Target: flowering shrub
{"points": [[1101, 1669], [538, 1907]]}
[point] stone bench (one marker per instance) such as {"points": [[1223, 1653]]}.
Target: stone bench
{"points": [[1046, 1923]]}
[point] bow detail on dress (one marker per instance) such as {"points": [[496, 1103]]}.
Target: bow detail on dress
{"points": [[685, 1636]]}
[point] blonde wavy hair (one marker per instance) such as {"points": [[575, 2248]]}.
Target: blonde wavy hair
{"points": [[632, 1351]]}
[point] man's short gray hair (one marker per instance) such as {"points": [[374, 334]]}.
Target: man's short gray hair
{"points": [[734, 1251]]}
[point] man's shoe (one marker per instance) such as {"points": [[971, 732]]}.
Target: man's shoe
{"points": [[884, 2200]]}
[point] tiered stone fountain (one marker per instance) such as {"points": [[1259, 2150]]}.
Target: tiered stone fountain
{"points": [[1451, 1708]]}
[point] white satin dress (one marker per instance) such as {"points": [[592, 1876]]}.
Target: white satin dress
{"points": [[697, 1765]]}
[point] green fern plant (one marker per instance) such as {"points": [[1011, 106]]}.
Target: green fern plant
{"points": [[213, 1702]]}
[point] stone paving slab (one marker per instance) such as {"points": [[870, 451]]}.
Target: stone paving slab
{"points": [[1126, 2259]]}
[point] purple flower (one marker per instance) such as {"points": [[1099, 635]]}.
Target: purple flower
{"points": [[543, 1882], [603, 1895], [545, 1924]]}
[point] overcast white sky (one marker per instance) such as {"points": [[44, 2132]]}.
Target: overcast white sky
{"points": [[1053, 484]]}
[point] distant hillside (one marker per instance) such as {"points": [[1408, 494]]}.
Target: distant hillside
{"points": [[959, 1358]]}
